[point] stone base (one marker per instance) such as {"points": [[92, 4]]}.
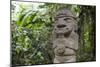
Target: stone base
{"points": [[64, 59]]}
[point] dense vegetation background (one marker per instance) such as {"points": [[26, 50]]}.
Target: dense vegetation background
{"points": [[31, 32]]}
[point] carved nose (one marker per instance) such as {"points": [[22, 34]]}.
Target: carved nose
{"points": [[61, 26]]}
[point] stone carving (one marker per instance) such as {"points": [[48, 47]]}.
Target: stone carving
{"points": [[65, 38]]}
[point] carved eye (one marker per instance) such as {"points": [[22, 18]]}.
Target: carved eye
{"points": [[66, 47], [67, 28], [67, 19]]}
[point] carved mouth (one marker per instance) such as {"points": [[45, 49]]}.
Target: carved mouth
{"points": [[61, 26]]}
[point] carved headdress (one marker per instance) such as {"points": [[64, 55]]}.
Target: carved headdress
{"points": [[65, 12]]}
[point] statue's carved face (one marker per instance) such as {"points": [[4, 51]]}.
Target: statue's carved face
{"points": [[63, 23]]}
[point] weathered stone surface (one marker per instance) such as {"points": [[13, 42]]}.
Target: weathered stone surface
{"points": [[65, 40]]}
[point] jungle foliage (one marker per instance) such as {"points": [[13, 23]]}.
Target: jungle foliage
{"points": [[31, 32]]}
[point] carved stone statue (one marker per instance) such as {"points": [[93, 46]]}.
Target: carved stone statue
{"points": [[65, 38]]}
